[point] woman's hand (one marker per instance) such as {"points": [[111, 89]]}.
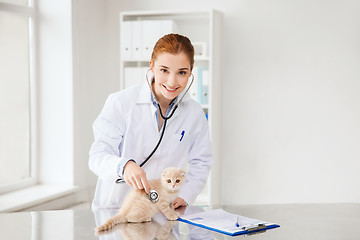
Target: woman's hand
{"points": [[135, 176], [179, 202]]}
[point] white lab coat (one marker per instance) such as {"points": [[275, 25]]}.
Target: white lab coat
{"points": [[127, 129]]}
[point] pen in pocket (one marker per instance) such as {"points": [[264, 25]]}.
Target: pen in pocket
{"points": [[182, 135]]}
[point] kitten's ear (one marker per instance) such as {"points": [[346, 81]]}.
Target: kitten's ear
{"points": [[165, 172], [182, 173]]}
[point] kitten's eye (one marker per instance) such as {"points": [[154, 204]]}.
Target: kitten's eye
{"points": [[178, 180], [169, 181]]}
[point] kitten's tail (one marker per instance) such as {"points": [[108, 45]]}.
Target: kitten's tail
{"points": [[111, 222]]}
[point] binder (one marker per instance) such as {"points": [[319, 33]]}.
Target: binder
{"points": [[168, 26], [151, 32], [200, 84], [125, 38], [230, 224], [193, 91], [205, 87], [136, 40], [200, 49]]}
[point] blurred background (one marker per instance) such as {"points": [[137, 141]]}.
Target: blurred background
{"points": [[287, 76]]}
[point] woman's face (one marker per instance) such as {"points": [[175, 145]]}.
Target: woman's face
{"points": [[171, 75]]}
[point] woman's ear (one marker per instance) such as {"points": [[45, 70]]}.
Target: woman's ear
{"points": [[151, 65]]}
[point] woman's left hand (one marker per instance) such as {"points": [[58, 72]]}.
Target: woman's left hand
{"points": [[179, 202]]}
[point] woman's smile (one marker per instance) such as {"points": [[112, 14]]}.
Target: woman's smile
{"points": [[170, 89]]}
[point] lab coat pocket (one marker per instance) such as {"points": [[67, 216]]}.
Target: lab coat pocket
{"points": [[179, 145], [117, 195]]}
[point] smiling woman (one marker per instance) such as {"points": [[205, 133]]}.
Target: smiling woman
{"points": [[171, 73], [128, 127], [171, 63], [139, 32]]}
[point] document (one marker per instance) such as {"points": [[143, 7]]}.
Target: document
{"points": [[227, 223]]}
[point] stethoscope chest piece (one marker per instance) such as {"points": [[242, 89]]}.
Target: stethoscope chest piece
{"points": [[153, 196]]}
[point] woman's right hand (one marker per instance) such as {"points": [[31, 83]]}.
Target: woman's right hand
{"points": [[135, 176]]}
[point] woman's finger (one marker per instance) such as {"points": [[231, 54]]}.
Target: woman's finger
{"points": [[135, 175], [179, 202], [138, 183]]}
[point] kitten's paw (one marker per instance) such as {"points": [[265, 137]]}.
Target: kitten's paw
{"points": [[169, 225], [173, 216], [99, 229]]}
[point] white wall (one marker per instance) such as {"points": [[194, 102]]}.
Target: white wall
{"points": [[74, 86], [55, 109], [291, 106], [294, 131], [92, 84]]}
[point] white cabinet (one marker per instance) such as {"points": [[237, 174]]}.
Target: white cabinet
{"points": [[139, 32]]}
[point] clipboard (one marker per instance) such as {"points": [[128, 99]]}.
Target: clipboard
{"points": [[230, 224]]}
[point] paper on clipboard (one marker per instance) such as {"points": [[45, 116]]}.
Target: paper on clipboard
{"points": [[227, 223]]}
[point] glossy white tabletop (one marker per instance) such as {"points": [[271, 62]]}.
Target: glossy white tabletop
{"points": [[312, 221]]}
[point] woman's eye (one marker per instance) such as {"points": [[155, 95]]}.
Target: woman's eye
{"points": [[163, 70], [169, 181], [182, 72]]}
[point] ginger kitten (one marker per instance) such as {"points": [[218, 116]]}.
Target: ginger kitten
{"points": [[138, 208]]}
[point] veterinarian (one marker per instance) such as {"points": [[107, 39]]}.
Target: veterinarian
{"points": [[130, 126]]}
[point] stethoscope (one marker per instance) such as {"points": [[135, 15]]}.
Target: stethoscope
{"points": [[153, 196]]}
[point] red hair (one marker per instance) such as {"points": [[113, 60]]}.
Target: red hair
{"points": [[174, 44]]}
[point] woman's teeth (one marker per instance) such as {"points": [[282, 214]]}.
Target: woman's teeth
{"points": [[170, 89]]}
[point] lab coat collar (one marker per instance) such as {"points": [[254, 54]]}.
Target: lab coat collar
{"points": [[145, 98], [145, 95]]}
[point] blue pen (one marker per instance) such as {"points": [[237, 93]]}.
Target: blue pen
{"points": [[237, 222], [182, 135]]}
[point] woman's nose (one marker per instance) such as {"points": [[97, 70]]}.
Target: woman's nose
{"points": [[172, 80]]}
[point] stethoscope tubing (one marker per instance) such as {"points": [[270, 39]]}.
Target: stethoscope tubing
{"points": [[120, 180]]}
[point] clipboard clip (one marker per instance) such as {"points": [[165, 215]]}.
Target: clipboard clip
{"points": [[254, 227]]}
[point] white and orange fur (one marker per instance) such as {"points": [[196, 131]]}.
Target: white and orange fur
{"points": [[143, 231], [138, 208]]}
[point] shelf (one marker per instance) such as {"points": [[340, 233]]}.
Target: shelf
{"points": [[147, 60], [140, 15]]}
